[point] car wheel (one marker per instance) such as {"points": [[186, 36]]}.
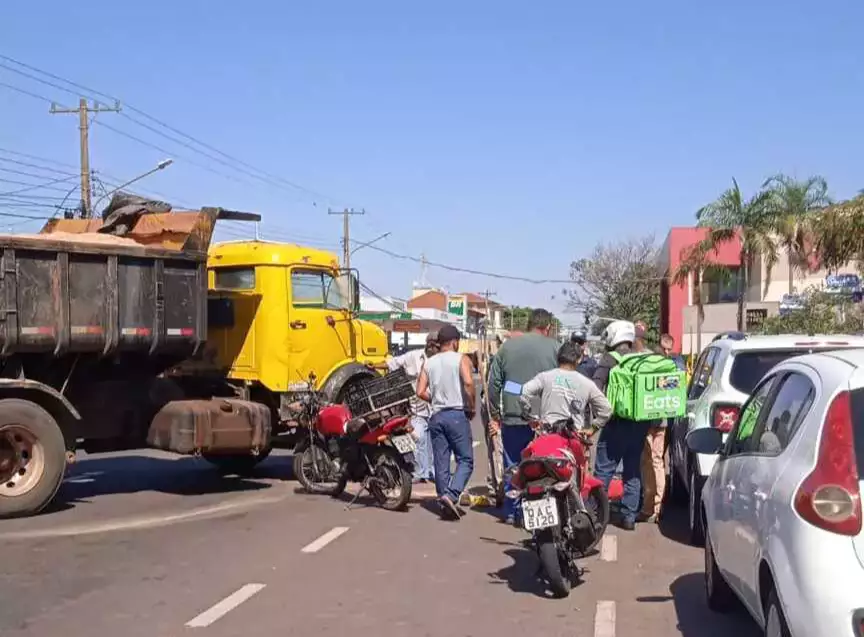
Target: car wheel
{"points": [[775, 621], [696, 523], [718, 593]]}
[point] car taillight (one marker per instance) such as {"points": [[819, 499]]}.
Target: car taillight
{"points": [[829, 497], [723, 417]]}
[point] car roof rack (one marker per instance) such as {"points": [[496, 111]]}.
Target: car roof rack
{"points": [[732, 335]]}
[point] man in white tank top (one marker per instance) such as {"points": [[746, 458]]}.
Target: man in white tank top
{"points": [[447, 382]]}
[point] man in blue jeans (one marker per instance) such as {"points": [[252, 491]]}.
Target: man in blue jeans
{"points": [[621, 441], [447, 382], [519, 360]]}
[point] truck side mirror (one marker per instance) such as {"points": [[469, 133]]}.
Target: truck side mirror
{"points": [[355, 292]]}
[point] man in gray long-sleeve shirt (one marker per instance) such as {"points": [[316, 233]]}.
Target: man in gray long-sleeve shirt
{"points": [[518, 361]]}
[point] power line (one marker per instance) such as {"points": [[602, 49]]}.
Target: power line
{"points": [[18, 89], [492, 275], [47, 169], [168, 152], [28, 217], [266, 178], [24, 173], [18, 153], [39, 187], [27, 183]]}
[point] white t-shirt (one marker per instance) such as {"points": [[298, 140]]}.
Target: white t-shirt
{"points": [[413, 363]]}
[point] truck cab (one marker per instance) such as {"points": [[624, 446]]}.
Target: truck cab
{"points": [[278, 313]]}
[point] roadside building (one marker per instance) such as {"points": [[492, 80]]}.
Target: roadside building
{"points": [[678, 310]]}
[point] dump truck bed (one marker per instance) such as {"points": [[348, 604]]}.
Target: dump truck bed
{"points": [[70, 289]]}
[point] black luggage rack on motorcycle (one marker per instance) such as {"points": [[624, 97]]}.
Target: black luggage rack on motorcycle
{"points": [[382, 397]]}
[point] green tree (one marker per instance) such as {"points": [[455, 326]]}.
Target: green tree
{"points": [[753, 221], [793, 203], [822, 313], [619, 280], [838, 233], [515, 319]]}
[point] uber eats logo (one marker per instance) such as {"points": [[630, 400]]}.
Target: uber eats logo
{"points": [[660, 393]]}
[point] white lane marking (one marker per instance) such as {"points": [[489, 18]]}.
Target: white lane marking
{"points": [[604, 620], [609, 548], [128, 524], [324, 540], [219, 610]]}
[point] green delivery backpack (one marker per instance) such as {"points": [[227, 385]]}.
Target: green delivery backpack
{"points": [[645, 386]]}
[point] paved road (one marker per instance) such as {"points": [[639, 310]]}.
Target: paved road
{"points": [[149, 544]]}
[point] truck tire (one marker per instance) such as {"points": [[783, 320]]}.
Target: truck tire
{"points": [[32, 458], [237, 464]]}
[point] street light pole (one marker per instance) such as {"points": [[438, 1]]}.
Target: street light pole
{"points": [[162, 165], [369, 243]]}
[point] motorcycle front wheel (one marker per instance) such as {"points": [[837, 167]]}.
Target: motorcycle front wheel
{"points": [[557, 574], [391, 480], [313, 469]]}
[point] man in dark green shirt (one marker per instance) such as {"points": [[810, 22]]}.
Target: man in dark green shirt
{"points": [[519, 360]]}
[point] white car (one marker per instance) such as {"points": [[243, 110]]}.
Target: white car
{"points": [[782, 506], [723, 378]]}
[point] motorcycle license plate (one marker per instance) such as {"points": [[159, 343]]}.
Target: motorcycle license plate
{"points": [[539, 514], [404, 444]]}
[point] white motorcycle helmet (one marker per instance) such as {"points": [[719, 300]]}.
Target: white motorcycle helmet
{"points": [[618, 332]]}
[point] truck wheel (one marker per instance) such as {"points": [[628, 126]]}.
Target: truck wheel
{"points": [[237, 464], [32, 458]]}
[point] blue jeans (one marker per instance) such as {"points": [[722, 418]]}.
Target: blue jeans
{"points": [[514, 439], [450, 431], [622, 441], [423, 458]]}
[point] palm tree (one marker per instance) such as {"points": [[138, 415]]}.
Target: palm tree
{"points": [[698, 263], [753, 220], [793, 204]]}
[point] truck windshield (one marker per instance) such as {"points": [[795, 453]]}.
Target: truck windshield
{"points": [[317, 289]]}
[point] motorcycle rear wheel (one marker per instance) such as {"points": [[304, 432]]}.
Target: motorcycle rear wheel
{"points": [[304, 471], [394, 471], [557, 574], [597, 504]]}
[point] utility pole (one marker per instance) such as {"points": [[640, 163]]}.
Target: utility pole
{"points": [[346, 233], [83, 111]]}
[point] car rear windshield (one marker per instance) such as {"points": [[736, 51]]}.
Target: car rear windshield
{"points": [[748, 367], [858, 428]]}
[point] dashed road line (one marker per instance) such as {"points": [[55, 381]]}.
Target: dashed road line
{"points": [[604, 620], [220, 609], [324, 540], [609, 548]]}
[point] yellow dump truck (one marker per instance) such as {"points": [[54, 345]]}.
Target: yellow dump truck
{"points": [[279, 312], [138, 333]]}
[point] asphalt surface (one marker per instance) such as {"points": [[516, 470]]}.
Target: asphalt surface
{"points": [[146, 544]]}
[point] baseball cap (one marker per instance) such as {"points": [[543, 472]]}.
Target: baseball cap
{"points": [[448, 333]]}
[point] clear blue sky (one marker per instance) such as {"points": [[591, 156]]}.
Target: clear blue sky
{"points": [[497, 135]]}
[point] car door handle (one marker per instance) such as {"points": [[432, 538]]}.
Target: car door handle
{"points": [[297, 325]]}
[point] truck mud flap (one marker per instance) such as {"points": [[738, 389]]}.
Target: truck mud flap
{"points": [[216, 426]]}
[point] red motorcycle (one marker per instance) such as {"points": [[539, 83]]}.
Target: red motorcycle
{"points": [[565, 508], [374, 449]]}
